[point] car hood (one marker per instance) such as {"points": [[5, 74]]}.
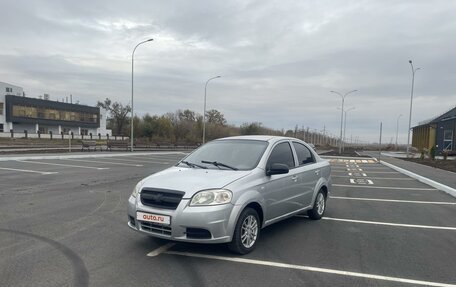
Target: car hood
{"points": [[192, 180]]}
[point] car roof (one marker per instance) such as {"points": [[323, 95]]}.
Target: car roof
{"points": [[267, 138]]}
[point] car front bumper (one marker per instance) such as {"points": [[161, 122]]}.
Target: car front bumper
{"points": [[218, 220]]}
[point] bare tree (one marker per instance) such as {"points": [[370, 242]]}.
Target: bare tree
{"points": [[118, 113]]}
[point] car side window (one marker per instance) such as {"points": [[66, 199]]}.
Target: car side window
{"points": [[282, 154], [303, 153]]}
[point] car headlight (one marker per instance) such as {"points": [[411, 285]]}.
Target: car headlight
{"points": [[212, 197], [137, 189]]}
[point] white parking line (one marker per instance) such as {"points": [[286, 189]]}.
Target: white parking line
{"points": [[355, 173], [344, 171], [157, 158], [381, 172], [386, 223], [59, 164], [143, 161], [388, 178], [360, 181], [105, 162], [31, 171], [384, 187], [393, 200], [152, 157], [311, 269], [161, 249]]}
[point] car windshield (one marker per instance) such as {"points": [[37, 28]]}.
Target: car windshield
{"points": [[237, 154]]}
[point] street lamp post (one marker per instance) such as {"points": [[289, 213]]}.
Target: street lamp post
{"points": [[397, 128], [204, 111], [345, 124], [411, 102], [342, 115], [132, 70]]}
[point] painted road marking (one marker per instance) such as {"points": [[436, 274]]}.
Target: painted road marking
{"points": [[142, 161], [161, 249], [158, 162], [356, 174], [386, 223], [60, 164], [384, 187], [104, 162], [311, 269], [361, 181], [393, 200], [388, 178], [161, 157], [31, 171], [370, 161], [385, 172]]}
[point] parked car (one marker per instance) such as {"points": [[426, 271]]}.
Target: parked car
{"points": [[230, 188], [312, 146]]}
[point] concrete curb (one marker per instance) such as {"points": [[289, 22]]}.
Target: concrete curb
{"points": [[43, 157], [451, 191]]}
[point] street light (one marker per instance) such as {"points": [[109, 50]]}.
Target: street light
{"points": [[342, 115], [397, 128], [345, 124], [204, 112], [132, 70], [411, 102]]}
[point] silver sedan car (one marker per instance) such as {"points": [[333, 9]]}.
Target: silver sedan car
{"points": [[229, 189]]}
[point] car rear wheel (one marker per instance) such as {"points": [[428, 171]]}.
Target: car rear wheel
{"points": [[319, 206], [246, 233]]}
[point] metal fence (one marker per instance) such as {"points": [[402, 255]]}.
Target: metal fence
{"points": [[61, 136]]}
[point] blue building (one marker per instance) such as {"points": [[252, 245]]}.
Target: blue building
{"points": [[439, 132]]}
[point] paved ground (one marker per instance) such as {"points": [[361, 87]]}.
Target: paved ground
{"points": [[63, 223], [443, 176]]}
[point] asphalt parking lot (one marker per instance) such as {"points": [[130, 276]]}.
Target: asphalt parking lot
{"points": [[63, 223]]}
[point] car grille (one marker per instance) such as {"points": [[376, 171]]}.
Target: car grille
{"points": [[155, 228], [167, 199]]}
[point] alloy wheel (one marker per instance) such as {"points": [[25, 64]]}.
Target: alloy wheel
{"points": [[249, 231], [320, 203]]}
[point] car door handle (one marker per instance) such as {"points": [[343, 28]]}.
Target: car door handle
{"points": [[317, 172], [294, 178]]}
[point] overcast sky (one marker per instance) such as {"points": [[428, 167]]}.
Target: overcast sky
{"points": [[278, 60]]}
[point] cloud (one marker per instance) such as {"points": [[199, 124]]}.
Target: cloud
{"points": [[278, 59]]}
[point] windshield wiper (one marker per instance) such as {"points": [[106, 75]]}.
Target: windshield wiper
{"points": [[191, 164], [219, 164]]}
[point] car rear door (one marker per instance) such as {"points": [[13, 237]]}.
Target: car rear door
{"points": [[309, 172], [281, 189]]}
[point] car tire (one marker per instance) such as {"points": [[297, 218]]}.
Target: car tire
{"points": [[319, 207], [246, 233]]}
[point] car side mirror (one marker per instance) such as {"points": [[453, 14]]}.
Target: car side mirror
{"points": [[277, 168]]}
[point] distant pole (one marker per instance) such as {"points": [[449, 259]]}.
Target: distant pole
{"points": [[411, 102], [345, 126], [380, 144], [132, 70], [204, 112], [397, 128], [342, 115]]}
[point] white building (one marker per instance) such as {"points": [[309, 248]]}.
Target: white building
{"points": [[21, 114]]}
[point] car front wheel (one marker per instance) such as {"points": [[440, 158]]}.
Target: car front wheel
{"points": [[246, 233], [319, 206]]}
